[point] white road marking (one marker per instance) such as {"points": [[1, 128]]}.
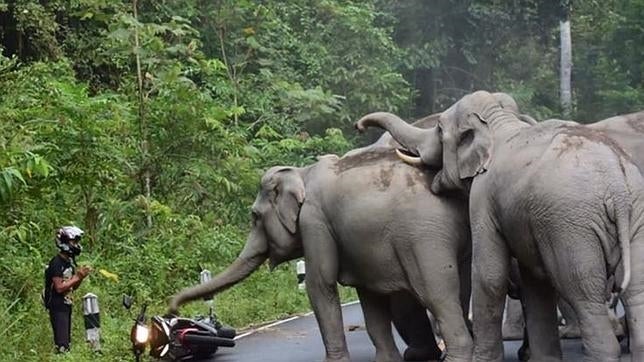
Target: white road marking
{"points": [[277, 323]]}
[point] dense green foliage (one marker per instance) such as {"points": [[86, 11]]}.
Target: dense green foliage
{"points": [[451, 47], [160, 166]]}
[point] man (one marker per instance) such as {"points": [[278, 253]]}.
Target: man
{"points": [[61, 278]]}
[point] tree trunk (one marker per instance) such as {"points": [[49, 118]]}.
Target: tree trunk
{"points": [[147, 190], [566, 67]]}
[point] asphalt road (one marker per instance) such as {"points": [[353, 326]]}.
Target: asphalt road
{"points": [[299, 340]]}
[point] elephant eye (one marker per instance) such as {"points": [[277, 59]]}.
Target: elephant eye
{"points": [[466, 137]]}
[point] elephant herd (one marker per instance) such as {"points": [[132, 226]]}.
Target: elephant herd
{"points": [[432, 216]]}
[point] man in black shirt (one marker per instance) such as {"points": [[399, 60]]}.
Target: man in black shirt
{"points": [[61, 278]]}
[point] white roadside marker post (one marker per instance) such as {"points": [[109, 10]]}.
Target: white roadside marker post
{"points": [[300, 268], [204, 277], [92, 319]]}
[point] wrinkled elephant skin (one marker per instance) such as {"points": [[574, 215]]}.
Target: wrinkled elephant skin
{"points": [[628, 131], [521, 181], [355, 221]]}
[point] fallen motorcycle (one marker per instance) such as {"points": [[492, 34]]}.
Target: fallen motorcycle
{"points": [[176, 338]]}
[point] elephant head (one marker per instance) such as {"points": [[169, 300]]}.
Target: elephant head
{"points": [[459, 145], [273, 235]]}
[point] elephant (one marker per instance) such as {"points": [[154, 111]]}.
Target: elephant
{"points": [[564, 199], [628, 131], [355, 221], [513, 310]]}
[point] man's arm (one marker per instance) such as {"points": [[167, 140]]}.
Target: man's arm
{"points": [[61, 286]]}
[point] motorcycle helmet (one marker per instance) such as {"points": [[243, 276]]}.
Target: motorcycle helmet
{"points": [[65, 235]]}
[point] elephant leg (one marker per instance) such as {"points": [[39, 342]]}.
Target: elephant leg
{"points": [[411, 320], [490, 268], [377, 316], [524, 351], [633, 299], [514, 319], [513, 323], [321, 285], [540, 301], [599, 340], [634, 307], [584, 289], [435, 278], [571, 329]]}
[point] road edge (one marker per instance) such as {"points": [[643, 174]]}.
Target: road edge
{"points": [[282, 321]]}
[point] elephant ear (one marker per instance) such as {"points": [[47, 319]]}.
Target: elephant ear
{"points": [[474, 146], [289, 197]]}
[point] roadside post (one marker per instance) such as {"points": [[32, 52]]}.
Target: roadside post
{"points": [[300, 268], [204, 277], [92, 319]]}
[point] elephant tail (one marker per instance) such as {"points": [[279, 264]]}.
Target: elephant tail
{"points": [[622, 221]]}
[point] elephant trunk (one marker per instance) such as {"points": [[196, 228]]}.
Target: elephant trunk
{"points": [[251, 258], [407, 135]]}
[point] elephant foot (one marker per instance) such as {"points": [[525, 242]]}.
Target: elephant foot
{"points": [[422, 354], [524, 353], [569, 331]]}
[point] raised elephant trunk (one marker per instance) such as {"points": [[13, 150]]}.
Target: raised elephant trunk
{"points": [[407, 135], [251, 258]]}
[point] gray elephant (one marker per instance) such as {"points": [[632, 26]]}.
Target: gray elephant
{"points": [[628, 131], [355, 220], [562, 198]]}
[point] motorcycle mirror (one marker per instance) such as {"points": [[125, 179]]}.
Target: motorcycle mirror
{"points": [[127, 301]]}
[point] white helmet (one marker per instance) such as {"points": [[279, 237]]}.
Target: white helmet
{"points": [[65, 235]]}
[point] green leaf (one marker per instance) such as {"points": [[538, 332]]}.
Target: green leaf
{"points": [[12, 172]]}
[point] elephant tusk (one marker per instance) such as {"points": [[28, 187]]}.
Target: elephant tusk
{"points": [[416, 161]]}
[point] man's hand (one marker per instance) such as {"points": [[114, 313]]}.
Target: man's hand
{"points": [[83, 271], [62, 286]]}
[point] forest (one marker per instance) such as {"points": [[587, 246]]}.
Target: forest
{"points": [[149, 124]]}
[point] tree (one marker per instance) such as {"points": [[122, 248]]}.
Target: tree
{"points": [[566, 60]]}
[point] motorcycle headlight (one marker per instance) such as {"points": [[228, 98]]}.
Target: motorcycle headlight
{"points": [[142, 334]]}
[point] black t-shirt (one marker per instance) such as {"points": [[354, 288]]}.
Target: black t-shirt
{"points": [[58, 267]]}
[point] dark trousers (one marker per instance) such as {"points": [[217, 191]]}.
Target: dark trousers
{"points": [[61, 324]]}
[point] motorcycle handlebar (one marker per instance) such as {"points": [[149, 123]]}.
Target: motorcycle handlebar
{"points": [[141, 316]]}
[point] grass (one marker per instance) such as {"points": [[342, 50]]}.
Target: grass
{"points": [[264, 296]]}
